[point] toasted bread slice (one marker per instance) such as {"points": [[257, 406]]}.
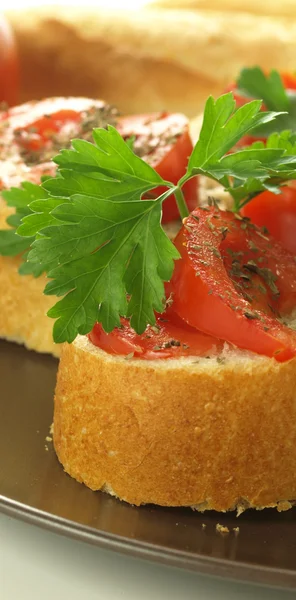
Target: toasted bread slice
{"points": [[208, 433]]}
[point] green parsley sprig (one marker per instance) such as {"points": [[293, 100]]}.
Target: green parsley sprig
{"points": [[102, 246], [254, 83]]}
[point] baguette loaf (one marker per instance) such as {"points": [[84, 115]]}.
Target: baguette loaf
{"points": [[170, 59], [207, 433]]}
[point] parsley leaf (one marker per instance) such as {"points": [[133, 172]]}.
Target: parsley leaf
{"points": [[99, 242], [268, 88], [12, 243], [106, 251], [277, 171], [254, 83], [222, 128], [244, 173], [110, 156]]}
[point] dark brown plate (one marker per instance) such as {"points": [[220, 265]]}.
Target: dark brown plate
{"points": [[34, 487]]}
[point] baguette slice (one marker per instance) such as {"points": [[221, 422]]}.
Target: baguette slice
{"points": [[208, 433]]}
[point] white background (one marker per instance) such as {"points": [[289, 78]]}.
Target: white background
{"points": [[38, 565]]}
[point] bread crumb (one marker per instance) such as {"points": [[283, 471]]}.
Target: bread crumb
{"points": [[46, 448], [242, 505], [283, 506], [51, 429], [236, 530], [48, 439], [203, 526], [222, 529]]}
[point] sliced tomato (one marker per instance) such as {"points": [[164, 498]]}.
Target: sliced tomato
{"points": [[9, 73], [277, 213], [164, 142], [169, 338], [233, 282], [289, 81]]}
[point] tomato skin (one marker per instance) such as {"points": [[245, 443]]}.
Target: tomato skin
{"points": [[172, 168], [124, 341], [277, 213], [9, 71], [289, 81], [212, 301], [171, 162]]}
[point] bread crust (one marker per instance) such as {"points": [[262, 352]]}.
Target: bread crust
{"points": [[23, 309], [208, 434], [171, 59]]}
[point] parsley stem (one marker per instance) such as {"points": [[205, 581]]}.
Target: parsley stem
{"points": [[182, 206]]}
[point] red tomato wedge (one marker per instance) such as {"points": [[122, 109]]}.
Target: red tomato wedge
{"points": [[276, 212], [233, 282], [163, 141], [169, 338], [289, 81]]}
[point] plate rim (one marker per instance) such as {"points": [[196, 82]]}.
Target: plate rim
{"points": [[220, 568]]}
